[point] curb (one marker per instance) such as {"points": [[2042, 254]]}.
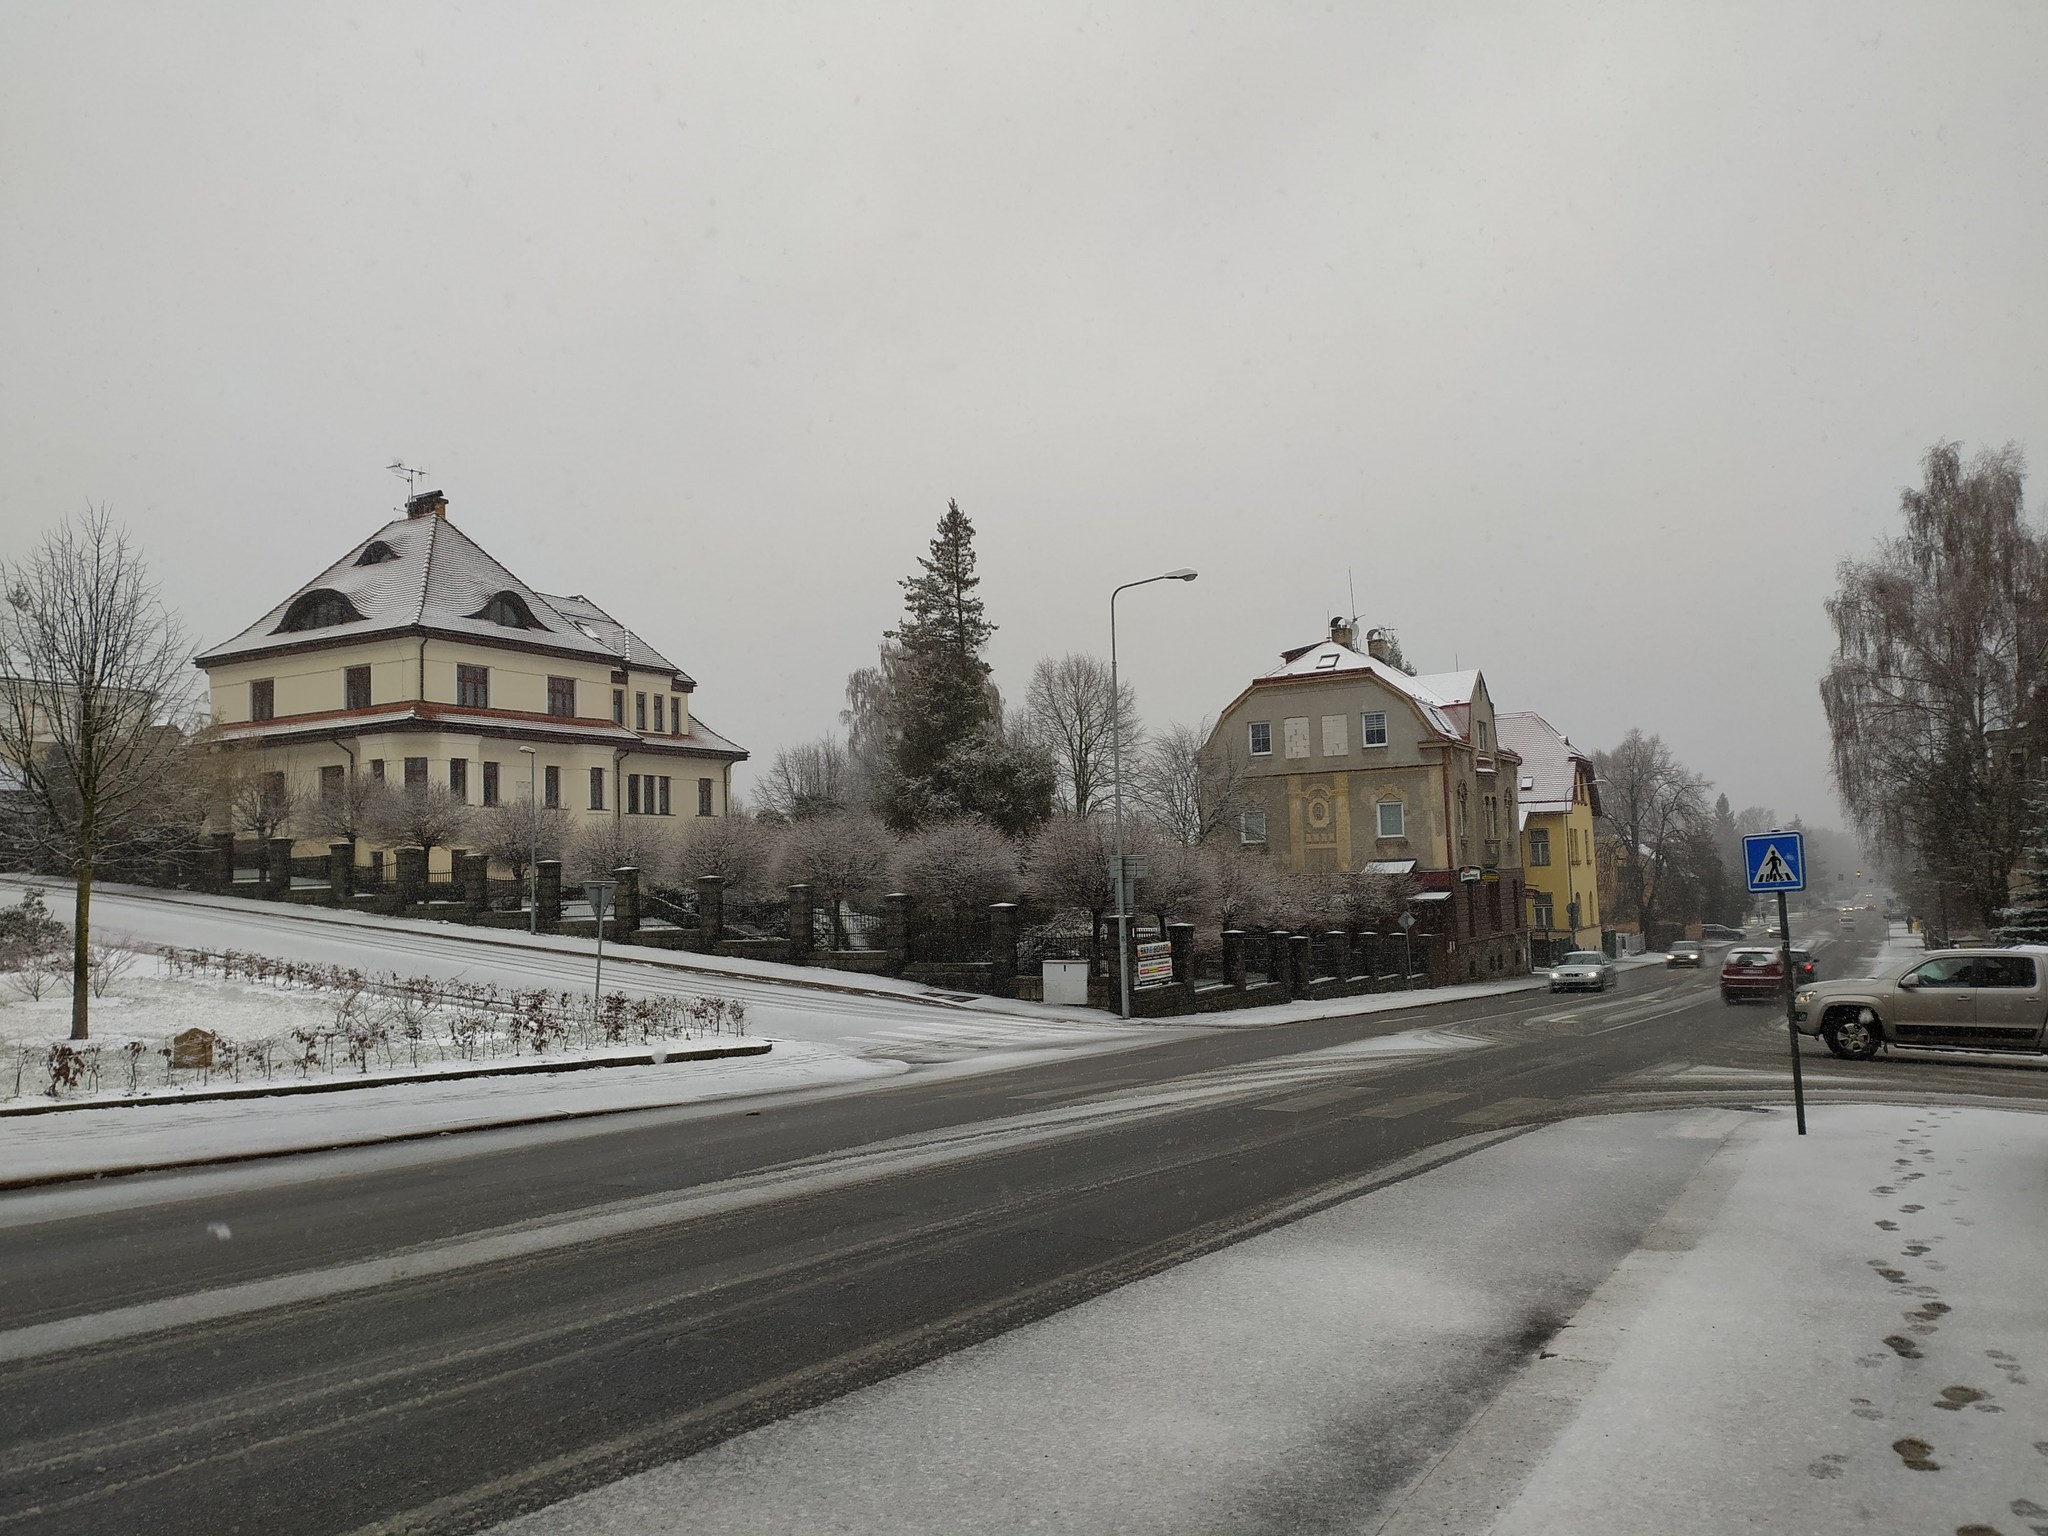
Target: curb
{"points": [[353, 1084]]}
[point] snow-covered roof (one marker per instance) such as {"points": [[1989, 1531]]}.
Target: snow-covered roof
{"points": [[1550, 764], [422, 572], [1450, 687], [595, 624], [1331, 659]]}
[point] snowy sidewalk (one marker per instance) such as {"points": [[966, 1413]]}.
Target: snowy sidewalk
{"points": [[1841, 1333], [168, 1134]]}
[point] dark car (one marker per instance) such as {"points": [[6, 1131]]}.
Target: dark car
{"points": [[1751, 975], [1685, 952], [1803, 967], [1722, 933]]}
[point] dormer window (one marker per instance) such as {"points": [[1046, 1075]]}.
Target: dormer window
{"points": [[320, 609], [376, 552], [510, 610]]}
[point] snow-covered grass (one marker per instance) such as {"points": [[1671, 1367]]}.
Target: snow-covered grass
{"points": [[270, 1021]]}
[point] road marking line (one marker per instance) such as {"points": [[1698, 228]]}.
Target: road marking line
{"points": [[1413, 1104], [1505, 1109]]}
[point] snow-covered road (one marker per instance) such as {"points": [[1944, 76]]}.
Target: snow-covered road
{"points": [[1835, 1333]]}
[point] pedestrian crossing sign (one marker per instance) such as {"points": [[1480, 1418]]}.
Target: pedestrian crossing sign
{"points": [[1776, 861]]}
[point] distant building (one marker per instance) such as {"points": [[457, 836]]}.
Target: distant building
{"points": [[418, 659], [1349, 763], [1559, 800]]}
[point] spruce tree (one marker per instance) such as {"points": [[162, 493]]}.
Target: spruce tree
{"points": [[942, 696], [2025, 919]]}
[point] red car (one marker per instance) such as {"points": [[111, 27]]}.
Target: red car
{"points": [[1751, 975]]}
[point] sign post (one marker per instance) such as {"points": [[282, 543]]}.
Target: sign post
{"points": [[1776, 862], [600, 894]]}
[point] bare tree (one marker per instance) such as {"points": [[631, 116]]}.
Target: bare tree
{"points": [[1933, 698], [613, 842], [1653, 808], [517, 833], [1244, 887], [1066, 865], [954, 870], [815, 778], [1189, 786], [841, 857], [94, 683], [1068, 708], [260, 797], [425, 816], [737, 849], [1175, 885], [342, 813]]}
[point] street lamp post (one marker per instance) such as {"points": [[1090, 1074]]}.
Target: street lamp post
{"points": [[532, 840], [1116, 768]]}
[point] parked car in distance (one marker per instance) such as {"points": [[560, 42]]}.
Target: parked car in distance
{"points": [[1583, 970], [1804, 969], [1722, 933], [1750, 974], [1685, 952], [1953, 999]]}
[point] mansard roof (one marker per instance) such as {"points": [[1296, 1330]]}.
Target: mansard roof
{"points": [[422, 573]]}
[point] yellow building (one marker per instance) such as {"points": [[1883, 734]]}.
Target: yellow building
{"points": [[1559, 800], [418, 659]]}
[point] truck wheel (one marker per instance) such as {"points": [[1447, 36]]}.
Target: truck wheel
{"points": [[1850, 1038]]}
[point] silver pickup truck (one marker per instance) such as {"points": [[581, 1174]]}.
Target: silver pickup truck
{"points": [[1951, 999]]}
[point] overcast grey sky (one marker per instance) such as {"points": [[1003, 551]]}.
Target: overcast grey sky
{"points": [[1587, 339]]}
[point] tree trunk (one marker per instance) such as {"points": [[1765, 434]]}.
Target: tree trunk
{"points": [[81, 982]]}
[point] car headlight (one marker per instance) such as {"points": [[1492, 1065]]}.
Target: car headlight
{"points": [[1802, 998], [1557, 975]]}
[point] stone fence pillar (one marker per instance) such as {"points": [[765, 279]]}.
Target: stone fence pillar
{"points": [[475, 875], [1233, 957], [221, 861], [1182, 937], [710, 909], [802, 924], [341, 872], [277, 875], [1280, 960], [547, 894], [625, 904], [1339, 941], [412, 875], [1300, 963], [1002, 949], [896, 930]]}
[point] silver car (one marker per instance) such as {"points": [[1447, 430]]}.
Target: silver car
{"points": [[1952, 999], [1583, 970]]}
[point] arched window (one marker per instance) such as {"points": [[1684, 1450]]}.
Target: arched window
{"points": [[376, 553], [510, 610], [320, 609]]}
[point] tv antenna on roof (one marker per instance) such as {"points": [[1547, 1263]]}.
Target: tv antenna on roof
{"points": [[412, 477]]}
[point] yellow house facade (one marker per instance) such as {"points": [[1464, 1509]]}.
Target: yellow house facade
{"points": [[1559, 799], [417, 659]]}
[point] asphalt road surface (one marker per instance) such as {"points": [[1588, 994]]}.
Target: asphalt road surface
{"points": [[361, 1342]]}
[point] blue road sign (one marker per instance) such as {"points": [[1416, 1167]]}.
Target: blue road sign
{"points": [[1775, 861]]}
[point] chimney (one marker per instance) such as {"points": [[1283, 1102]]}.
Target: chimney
{"points": [[427, 504], [1340, 631], [1378, 645]]}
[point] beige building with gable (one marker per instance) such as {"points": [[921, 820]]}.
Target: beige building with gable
{"points": [[418, 659], [1349, 763]]}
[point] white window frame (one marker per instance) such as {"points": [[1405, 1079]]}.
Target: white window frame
{"points": [[1252, 738], [1366, 727], [1251, 828], [1400, 811]]}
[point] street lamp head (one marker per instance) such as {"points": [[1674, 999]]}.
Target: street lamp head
{"points": [[1183, 574], [527, 750]]}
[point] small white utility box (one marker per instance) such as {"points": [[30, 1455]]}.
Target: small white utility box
{"points": [[1066, 981]]}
